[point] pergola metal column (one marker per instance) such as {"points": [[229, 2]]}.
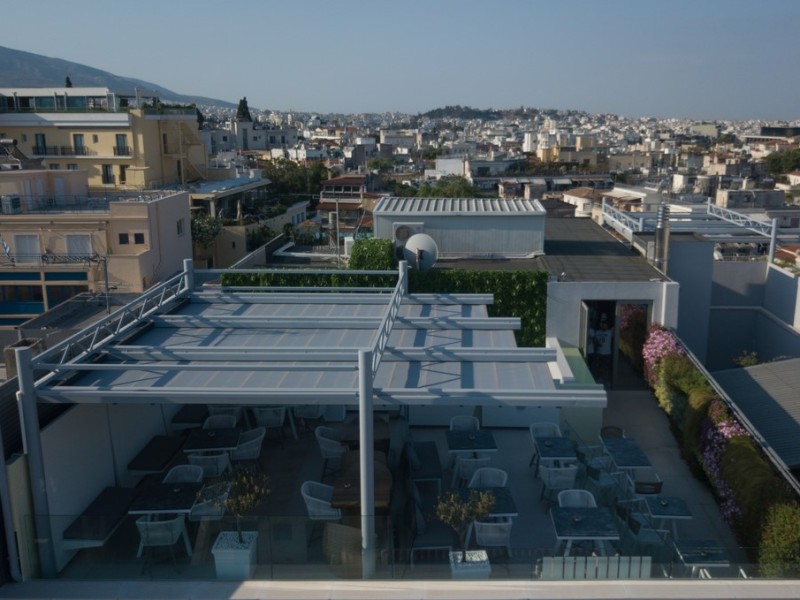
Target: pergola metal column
{"points": [[367, 463], [26, 398], [773, 240]]}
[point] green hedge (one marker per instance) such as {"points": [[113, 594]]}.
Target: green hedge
{"points": [[779, 553], [677, 379], [520, 294], [753, 497]]}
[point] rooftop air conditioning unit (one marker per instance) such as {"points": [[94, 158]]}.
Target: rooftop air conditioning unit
{"points": [[10, 205], [400, 234]]}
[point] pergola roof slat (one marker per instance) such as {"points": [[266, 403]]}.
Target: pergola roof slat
{"points": [[185, 344]]}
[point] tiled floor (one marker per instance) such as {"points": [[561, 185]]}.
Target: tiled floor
{"points": [[285, 553]]}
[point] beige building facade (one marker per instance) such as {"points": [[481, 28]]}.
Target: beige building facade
{"points": [[61, 242], [122, 142]]}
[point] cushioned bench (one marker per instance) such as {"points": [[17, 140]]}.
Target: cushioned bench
{"points": [[157, 454], [190, 416], [594, 567], [100, 519], [424, 463]]}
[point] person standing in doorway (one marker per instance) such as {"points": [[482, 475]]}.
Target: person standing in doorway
{"points": [[603, 343]]}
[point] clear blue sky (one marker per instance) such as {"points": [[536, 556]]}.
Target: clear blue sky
{"points": [[701, 59]]}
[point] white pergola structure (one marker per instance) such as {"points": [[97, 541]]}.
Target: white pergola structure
{"points": [[188, 342]]}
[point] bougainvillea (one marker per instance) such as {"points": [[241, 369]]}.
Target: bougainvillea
{"points": [[720, 427], [713, 446], [660, 342]]}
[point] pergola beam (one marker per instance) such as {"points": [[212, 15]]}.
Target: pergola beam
{"points": [[328, 354], [382, 397], [221, 297], [253, 322]]}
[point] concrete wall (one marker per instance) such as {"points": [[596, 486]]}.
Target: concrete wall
{"points": [[736, 331], [691, 264], [782, 296], [564, 302], [739, 283], [731, 333]]}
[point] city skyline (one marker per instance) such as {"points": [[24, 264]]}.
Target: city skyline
{"points": [[697, 60]]}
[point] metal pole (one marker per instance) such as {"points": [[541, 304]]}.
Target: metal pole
{"points": [[403, 268], [188, 275], [338, 263], [367, 463], [8, 523], [105, 275], [773, 241], [28, 409]]}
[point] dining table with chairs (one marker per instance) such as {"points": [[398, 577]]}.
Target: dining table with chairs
{"points": [[460, 442], [700, 555], [166, 498], [555, 450], [583, 524], [224, 439], [347, 486], [665, 509], [624, 452]]}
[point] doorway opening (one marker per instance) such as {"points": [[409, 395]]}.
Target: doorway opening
{"points": [[611, 340]]}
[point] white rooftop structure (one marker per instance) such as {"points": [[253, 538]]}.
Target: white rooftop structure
{"points": [[466, 227]]}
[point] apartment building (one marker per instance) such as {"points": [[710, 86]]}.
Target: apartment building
{"points": [[59, 241], [122, 141]]}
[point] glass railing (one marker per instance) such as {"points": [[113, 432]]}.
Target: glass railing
{"points": [[295, 547], [648, 521]]}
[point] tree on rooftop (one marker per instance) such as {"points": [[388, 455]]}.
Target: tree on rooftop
{"points": [[454, 186], [384, 165], [68, 82], [287, 177], [205, 229], [783, 161], [242, 112]]}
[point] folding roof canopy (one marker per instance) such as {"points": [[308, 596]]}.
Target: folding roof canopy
{"points": [[213, 344], [182, 343]]}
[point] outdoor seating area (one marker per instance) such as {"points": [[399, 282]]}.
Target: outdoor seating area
{"points": [[465, 409], [533, 522]]}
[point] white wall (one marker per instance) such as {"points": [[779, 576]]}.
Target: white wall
{"points": [[80, 459], [564, 302]]}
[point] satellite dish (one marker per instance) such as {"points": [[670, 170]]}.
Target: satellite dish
{"points": [[421, 251]]}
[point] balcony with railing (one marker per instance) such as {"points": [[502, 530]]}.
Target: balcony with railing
{"points": [[63, 151], [51, 204], [123, 151], [48, 260]]}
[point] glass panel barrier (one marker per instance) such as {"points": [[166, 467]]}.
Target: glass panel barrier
{"points": [[292, 548]]}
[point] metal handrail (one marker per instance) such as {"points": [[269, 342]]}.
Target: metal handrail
{"points": [[105, 330], [773, 457], [388, 321]]}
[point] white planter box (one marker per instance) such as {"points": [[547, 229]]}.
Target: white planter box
{"points": [[232, 559], [477, 565]]}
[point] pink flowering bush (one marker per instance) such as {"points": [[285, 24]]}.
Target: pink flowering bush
{"points": [[719, 449], [713, 444], [659, 343]]}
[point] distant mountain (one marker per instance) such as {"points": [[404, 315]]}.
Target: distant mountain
{"points": [[24, 69]]}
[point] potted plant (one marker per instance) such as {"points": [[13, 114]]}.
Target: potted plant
{"points": [[235, 551], [459, 512]]}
